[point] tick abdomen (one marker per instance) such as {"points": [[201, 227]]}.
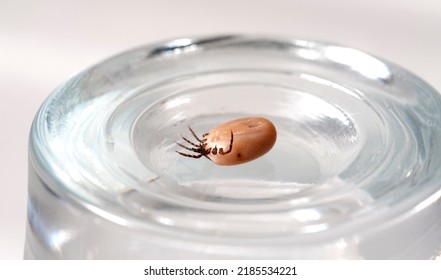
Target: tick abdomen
{"points": [[253, 137]]}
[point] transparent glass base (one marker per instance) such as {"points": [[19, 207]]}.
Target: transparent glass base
{"points": [[354, 173]]}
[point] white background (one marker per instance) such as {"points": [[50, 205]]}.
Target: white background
{"points": [[42, 43]]}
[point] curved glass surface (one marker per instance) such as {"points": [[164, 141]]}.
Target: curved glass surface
{"points": [[354, 173]]}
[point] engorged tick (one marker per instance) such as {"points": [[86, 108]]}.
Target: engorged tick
{"points": [[234, 142]]}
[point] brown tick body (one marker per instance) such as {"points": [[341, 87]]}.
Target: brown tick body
{"points": [[234, 142]]}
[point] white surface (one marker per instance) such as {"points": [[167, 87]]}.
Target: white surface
{"points": [[42, 43]]}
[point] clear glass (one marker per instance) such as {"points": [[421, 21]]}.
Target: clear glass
{"points": [[355, 172]]}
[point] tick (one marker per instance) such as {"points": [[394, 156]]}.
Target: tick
{"points": [[234, 142]]}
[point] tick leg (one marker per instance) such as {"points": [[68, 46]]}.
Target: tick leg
{"points": [[198, 149], [190, 149], [194, 134], [189, 142], [188, 155], [207, 157], [221, 150]]}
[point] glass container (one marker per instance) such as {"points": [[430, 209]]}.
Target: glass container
{"points": [[354, 174]]}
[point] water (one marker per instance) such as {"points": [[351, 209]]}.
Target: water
{"points": [[356, 161]]}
